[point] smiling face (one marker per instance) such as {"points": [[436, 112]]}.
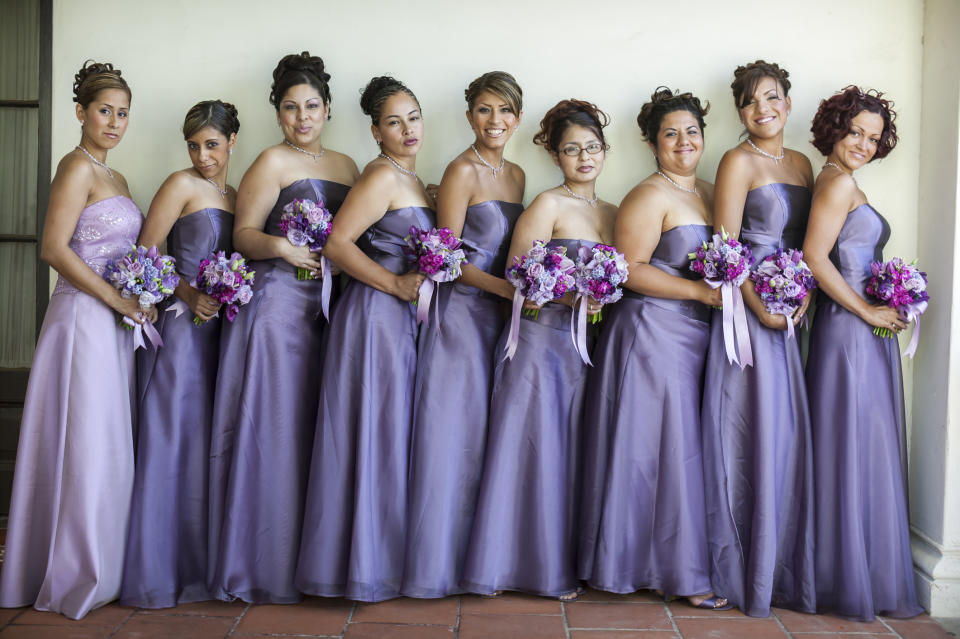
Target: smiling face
{"points": [[401, 127], [105, 119], [210, 151], [493, 120], [301, 114], [584, 166], [767, 109], [679, 143], [860, 143]]}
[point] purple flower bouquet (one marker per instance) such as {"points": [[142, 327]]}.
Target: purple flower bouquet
{"points": [[541, 275], [901, 286], [600, 272], [725, 263], [306, 223], [783, 282], [438, 254], [149, 277], [227, 280]]}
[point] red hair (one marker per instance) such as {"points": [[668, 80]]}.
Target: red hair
{"points": [[832, 121]]}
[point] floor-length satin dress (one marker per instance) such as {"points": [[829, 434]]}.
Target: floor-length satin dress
{"points": [[355, 522], [863, 562], [74, 472], [643, 519], [264, 413], [452, 398], [758, 459], [166, 558]]}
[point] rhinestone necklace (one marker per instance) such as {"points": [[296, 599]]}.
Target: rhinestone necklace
{"points": [[222, 192], [677, 186], [775, 158], [95, 160], [591, 202], [837, 167], [316, 156], [496, 169], [397, 164]]}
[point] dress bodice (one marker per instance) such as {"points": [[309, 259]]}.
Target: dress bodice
{"points": [[195, 236], [861, 240], [383, 242], [328, 194], [105, 230], [775, 216], [487, 230], [672, 256]]}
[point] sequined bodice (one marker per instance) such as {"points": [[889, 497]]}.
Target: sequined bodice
{"points": [[487, 230], [106, 230], [383, 242], [775, 216], [195, 236], [861, 240]]}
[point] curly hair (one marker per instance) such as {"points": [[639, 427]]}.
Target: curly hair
{"points": [[95, 77], [832, 121], [499, 83], [299, 68], [378, 91], [748, 76], [568, 113], [664, 101]]}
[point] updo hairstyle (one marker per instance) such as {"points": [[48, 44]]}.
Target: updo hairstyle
{"points": [[378, 91], [664, 101], [95, 77], [568, 113], [295, 69], [501, 84], [220, 115], [832, 121], [747, 77]]}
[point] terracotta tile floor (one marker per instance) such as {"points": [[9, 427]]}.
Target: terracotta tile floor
{"points": [[596, 616]]}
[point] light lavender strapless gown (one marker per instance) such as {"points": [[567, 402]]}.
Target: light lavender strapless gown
{"points": [[643, 521], [166, 559], [758, 459], [452, 396], [863, 562], [264, 412], [524, 533], [74, 472], [353, 530]]}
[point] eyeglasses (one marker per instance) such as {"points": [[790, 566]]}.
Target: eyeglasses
{"points": [[573, 150]]}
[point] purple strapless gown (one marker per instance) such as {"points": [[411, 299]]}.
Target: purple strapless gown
{"points": [[643, 522], [758, 459], [524, 533], [452, 396], [264, 412], [166, 560], [353, 530], [863, 562], [74, 472]]}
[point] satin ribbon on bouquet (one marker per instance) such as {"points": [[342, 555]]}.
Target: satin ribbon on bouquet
{"points": [[326, 285], [735, 322], [912, 313], [180, 307], [139, 330], [425, 295], [791, 332], [513, 337], [578, 328]]}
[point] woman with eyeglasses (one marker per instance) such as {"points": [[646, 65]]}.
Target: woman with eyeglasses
{"points": [[524, 531], [643, 523]]}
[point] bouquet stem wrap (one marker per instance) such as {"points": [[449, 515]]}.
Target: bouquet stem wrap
{"points": [[139, 329], [578, 328]]}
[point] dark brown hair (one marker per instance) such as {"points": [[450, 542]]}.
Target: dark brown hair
{"points": [[222, 116], [747, 77], [832, 121], [95, 77], [499, 83], [378, 91], [569, 113], [295, 69], [664, 101]]}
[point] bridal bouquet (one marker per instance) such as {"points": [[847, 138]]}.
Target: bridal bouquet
{"points": [[438, 254], [306, 223], [227, 280], [600, 272], [725, 263], [147, 276], [901, 286], [783, 281]]}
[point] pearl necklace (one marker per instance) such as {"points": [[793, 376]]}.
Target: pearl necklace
{"points": [[496, 169], [397, 164], [95, 160], [316, 156], [591, 202], [222, 192], [678, 186], [775, 158]]}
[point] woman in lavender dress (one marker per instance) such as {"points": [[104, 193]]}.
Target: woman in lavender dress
{"points": [[524, 531], [69, 510], [266, 397], [166, 558], [353, 530], [758, 465], [863, 562], [479, 200], [643, 522]]}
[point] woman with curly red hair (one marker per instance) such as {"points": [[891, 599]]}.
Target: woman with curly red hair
{"points": [[524, 531], [854, 382]]}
